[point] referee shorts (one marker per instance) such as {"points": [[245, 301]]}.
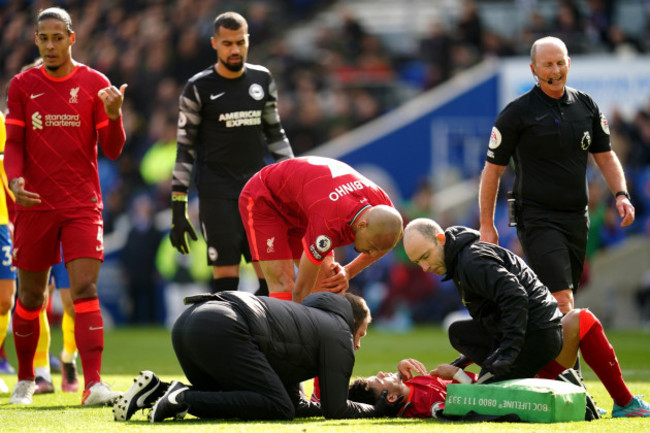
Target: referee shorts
{"points": [[223, 231], [555, 244]]}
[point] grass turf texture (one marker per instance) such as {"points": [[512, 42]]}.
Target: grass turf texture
{"points": [[129, 350]]}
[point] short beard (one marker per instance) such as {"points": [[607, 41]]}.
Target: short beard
{"points": [[52, 68], [234, 68]]}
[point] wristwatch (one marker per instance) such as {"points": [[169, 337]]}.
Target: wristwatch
{"points": [[625, 193]]}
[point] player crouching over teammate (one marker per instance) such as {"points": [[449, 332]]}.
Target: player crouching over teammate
{"points": [[245, 357]]}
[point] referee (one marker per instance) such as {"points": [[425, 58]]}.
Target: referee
{"points": [[549, 132], [224, 112]]}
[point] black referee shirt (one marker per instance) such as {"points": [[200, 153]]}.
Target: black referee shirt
{"points": [[549, 140]]}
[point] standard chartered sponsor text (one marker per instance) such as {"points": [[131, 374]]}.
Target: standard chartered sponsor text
{"points": [[62, 120]]}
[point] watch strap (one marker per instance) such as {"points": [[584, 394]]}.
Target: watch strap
{"points": [[625, 193]]}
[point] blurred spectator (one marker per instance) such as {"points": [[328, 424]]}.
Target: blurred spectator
{"points": [[352, 33], [643, 299], [435, 51], [469, 27], [599, 20], [597, 208], [569, 27], [138, 260]]}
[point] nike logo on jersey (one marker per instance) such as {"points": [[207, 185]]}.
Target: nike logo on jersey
{"points": [[537, 119], [95, 328], [218, 95], [32, 96]]}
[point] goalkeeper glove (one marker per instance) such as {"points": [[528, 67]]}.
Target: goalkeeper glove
{"points": [[181, 224]]}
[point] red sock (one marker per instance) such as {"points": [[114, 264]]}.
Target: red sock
{"points": [[26, 332], [599, 354], [285, 296], [89, 334], [550, 371], [3, 354]]}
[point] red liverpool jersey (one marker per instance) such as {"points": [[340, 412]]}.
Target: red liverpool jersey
{"points": [[322, 196], [425, 392], [60, 118]]}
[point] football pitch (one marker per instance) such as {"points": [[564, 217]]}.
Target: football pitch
{"points": [[129, 350]]}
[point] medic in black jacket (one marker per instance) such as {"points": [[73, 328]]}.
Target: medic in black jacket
{"points": [[245, 357], [515, 328]]}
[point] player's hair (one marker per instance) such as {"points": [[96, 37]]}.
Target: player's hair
{"points": [[360, 392], [360, 310], [57, 14], [230, 21]]}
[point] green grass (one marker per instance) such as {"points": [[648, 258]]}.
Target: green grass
{"points": [[129, 350]]}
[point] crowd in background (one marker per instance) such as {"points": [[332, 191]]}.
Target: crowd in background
{"points": [[351, 77]]}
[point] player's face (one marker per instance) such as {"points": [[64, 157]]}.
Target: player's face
{"points": [[390, 381], [361, 332], [365, 243], [551, 63], [231, 47], [427, 254], [54, 43]]}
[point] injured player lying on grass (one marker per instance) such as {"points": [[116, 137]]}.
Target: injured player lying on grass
{"points": [[421, 391]]}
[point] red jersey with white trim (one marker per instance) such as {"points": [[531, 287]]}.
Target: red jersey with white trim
{"points": [[425, 392], [322, 196], [60, 119]]}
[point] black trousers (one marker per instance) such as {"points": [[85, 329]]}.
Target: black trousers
{"points": [[230, 376], [540, 347]]}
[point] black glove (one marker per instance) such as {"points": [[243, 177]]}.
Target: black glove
{"points": [[181, 224], [499, 364], [461, 362], [385, 408]]}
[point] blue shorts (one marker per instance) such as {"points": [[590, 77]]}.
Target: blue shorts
{"points": [[7, 270], [60, 275]]}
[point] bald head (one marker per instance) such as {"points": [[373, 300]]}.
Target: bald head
{"points": [[547, 41], [385, 225], [425, 227], [424, 242], [378, 230]]}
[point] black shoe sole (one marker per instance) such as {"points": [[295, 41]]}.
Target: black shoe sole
{"points": [[143, 393]]}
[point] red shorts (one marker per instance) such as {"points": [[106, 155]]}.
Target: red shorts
{"points": [[269, 235], [40, 234]]}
